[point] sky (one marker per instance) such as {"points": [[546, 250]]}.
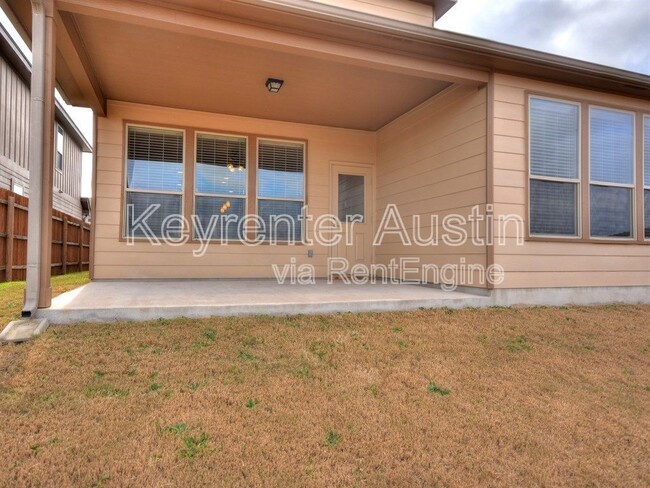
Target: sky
{"points": [[609, 32]]}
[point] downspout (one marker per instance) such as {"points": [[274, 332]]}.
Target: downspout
{"points": [[41, 152]]}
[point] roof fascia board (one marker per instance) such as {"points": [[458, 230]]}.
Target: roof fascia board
{"points": [[490, 54]]}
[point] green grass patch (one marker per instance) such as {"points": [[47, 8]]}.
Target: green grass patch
{"points": [[438, 390], [332, 438], [519, 343], [193, 446], [105, 391], [177, 429]]}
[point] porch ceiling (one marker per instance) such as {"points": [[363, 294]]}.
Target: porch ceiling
{"points": [[147, 65]]}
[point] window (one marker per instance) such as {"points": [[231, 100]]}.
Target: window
{"points": [[611, 170], [351, 198], [58, 157], [554, 167], [154, 179], [281, 189], [646, 175], [220, 184], [17, 188]]}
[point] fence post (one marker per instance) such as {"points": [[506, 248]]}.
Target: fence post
{"points": [[81, 240], [64, 245], [9, 242]]}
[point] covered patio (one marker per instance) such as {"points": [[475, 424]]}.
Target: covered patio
{"points": [[105, 301], [197, 75]]}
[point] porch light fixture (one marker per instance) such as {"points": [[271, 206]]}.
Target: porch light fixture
{"points": [[273, 85]]}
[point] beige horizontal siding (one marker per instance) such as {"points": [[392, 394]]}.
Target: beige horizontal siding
{"points": [[116, 259], [432, 161], [559, 263]]}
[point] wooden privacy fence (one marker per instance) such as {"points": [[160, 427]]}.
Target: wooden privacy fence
{"points": [[70, 239]]}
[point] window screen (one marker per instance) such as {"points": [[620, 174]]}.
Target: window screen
{"points": [[220, 184], [553, 208], [611, 211], [611, 169], [281, 189], [554, 167], [154, 177]]}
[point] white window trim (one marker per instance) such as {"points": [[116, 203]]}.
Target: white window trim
{"points": [[577, 181], [157, 192], [645, 118], [304, 179], [219, 195], [630, 186]]}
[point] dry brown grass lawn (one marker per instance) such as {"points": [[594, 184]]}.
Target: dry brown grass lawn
{"points": [[509, 397]]}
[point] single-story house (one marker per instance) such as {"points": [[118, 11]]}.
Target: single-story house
{"points": [[435, 151], [70, 143]]}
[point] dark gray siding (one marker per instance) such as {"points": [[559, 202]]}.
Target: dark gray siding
{"points": [[14, 146]]}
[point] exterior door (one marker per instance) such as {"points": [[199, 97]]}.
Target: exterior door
{"points": [[352, 203]]}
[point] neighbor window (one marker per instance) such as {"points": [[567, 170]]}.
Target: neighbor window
{"points": [[154, 180], [554, 167], [58, 157], [220, 185], [611, 170], [646, 175], [281, 188]]}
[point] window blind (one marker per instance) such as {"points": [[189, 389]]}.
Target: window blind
{"points": [[281, 170], [220, 165], [281, 189], [154, 177], [611, 149], [611, 162], [160, 145], [554, 156], [155, 159], [554, 138]]}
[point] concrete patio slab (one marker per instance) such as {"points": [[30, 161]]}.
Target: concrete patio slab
{"points": [[103, 301], [23, 330]]}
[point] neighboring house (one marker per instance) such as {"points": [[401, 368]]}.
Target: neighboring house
{"points": [[15, 74], [377, 108]]}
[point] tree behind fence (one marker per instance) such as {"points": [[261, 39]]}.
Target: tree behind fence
{"points": [[70, 239]]}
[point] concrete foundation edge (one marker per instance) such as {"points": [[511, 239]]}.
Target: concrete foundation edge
{"points": [[499, 297]]}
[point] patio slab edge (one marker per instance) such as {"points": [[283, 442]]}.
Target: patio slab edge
{"points": [[74, 315]]}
